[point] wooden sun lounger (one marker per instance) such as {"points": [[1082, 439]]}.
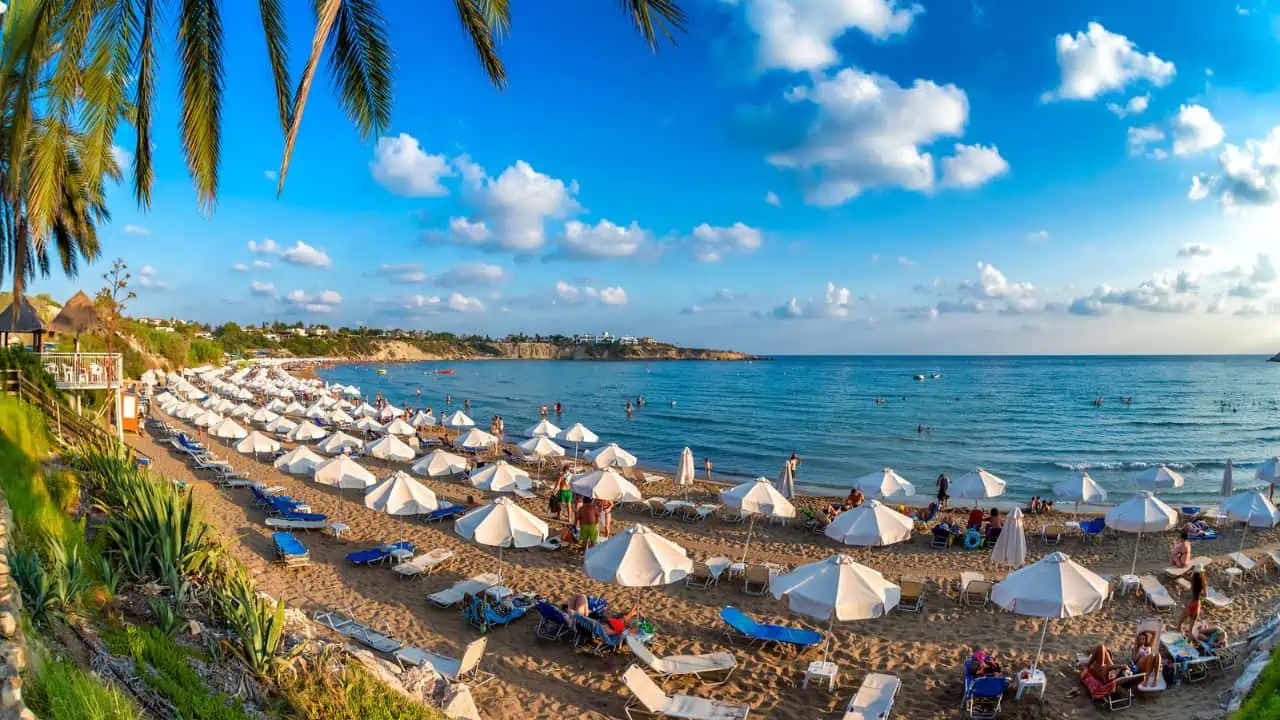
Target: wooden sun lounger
{"points": [[912, 598]]}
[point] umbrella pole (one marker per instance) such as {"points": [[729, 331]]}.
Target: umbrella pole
{"points": [[499, 565], [1040, 649], [826, 649], [1134, 566], [750, 525], [1244, 532]]}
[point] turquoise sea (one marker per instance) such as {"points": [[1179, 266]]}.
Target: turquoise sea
{"points": [[1030, 420]]}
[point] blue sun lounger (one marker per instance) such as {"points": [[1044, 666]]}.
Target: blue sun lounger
{"points": [[378, 554], [553, 624], [982, 695], [445, 513], [740, 625], [289, 551]]}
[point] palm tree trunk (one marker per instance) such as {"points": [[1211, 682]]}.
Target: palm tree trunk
{"points": [[20, 250]]}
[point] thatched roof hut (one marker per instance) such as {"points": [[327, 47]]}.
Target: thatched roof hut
{"points": [[78, 316], [28, 321]]}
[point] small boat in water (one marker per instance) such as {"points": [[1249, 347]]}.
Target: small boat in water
{"points": [[445, 371], [918, 377], [382, 371], [936, 375]]}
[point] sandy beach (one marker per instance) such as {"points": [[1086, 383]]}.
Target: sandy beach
{"points": [[543, 680]]}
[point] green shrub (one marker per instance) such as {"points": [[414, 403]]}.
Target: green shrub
{"points": [[58, 690], [352, 695], [1264, 701], [39, 499], [28, 363], [166, 667]]}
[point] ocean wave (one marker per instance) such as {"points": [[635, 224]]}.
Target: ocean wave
{"points": [[1130, 465]]}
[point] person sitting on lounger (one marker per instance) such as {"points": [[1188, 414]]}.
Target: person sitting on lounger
{"points": [[1146, 656], [1196, 528], [577, 605], [983, 663], [995, 523], [1180, 555], [1210, 635], [976, 518], [617, 624], [1102, 666], [834, 509]]}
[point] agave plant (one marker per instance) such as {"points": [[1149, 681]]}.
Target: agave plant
{"points": [[109, 574], [36, 586], [131, 545], [167, 621], [71, 579], [259, 627]]}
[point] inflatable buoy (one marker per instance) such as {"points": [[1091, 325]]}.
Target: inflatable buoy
{"points": [[972, 539]]}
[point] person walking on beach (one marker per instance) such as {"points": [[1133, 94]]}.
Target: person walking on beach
{"points": [[588, 528], [565, 493], [502, 429], [706, 467], [1192, 610], [944, 485]]}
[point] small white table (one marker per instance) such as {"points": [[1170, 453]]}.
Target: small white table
{"points": [[1234, 574], [1030, 679], [1128, 584], [338, 530], [498, 593], [822, 672], [399, 555], [1072, 526]]}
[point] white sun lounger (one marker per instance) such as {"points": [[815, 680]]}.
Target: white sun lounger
{"points": [[648, 699], [1156, 593], [359, 632], [1244, 562], [720, 664], [451, 596], [875, 697], [1274, 555], [276, 522], [464, 669], [1216, 598], [424, 564]]}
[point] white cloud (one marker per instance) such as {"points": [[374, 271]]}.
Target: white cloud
{"points": [[148, 279], [711, 244], [264, 247], [905, 261], [835, 302], [870, 132], [324, 301], [1037, 236], [240, 267], [1195, 130], [135, 230], [464, 304], [262, 289], [972, 166], [123, 158], [613, 296], [1164, 293], [1249, 175], [1139, 138], [604, 240], [800, 35], [1195, 250], [471, 274], [403, 273], [1250, 310], [771, 198], [511, 210], [262, 265], [992, 284], [400, 165], [1199, 189], [270, 175], [306, 256], [1137, 105], [1254, 282], [1098, 61]]}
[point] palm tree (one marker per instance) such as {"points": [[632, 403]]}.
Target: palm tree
{"points": [[101, 44]]}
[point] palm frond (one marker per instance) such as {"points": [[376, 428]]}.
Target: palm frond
{"points": [[144, 99], [655, 17], [106, 81], [360, 63], [200, 82], [482, 21], [273, 26], [326, 13]]}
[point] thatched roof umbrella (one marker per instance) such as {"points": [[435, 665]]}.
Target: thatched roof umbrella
{"points": [[78, 316], [28, 321]]}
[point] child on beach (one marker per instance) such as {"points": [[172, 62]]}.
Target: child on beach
{"points": [[983, 663]]}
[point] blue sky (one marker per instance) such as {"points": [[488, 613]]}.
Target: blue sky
{"points": [[809, 176]]}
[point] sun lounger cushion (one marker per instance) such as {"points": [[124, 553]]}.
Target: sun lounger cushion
{"points": [[744, 625], [424, 563], [1156, 593], [378, 554], [453, 595], [445, 513], [874, 699], [287, 545]]}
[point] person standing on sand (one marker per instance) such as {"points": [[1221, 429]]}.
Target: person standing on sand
{"points": [[502, 429], [588, 529], [1192, 610], [793, 464], [706, 467], [944, 485]]}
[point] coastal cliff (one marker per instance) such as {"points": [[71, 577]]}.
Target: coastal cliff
{"points": [[406, 351]]}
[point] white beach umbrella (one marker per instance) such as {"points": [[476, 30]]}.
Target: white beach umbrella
{"points": [[277, 406], [243, 410], [1269, 471], [540, 446], [475, 439], [207, 419], [389, 412], [500, 476], [295, 408], [343, 472], [190, 411], [544, 428], [637, 557], [344, 405], [611, 456], [351, 391], [1142, 513], [871, 524], [400, 494], [338, 416], [281, 425], [502, 524], [338, 443], [228, 429], [422, 419], [836, 589], [225, 406], [458, 421], [977, 485], [1253, 509], [368, 425], [255, 443], [1054, 586], [148, 378], [577, 435], [316, 411], [439, 463], [400, 427], [366, 410], [390, 447], [606, 484], [885, 484], [298, 461], [1011, 546], [1226, 489], [305, 432], [210, 403], [757, 497], [262, 416], [1079, 489], [1158, 478]]}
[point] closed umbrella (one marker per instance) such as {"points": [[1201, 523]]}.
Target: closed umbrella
{"points": [[1251, 508], [502, 524], [298, 461], [871, 524], [611, 456], [400, 427], [439, 463], [1158, 478], [501, 476], [977, 485], [836, 589], [390, 447], [606, 484], [787, 481], [544, 428], [1226, 490], [1053, 587], [255, 443], [458, 421], [475, 439], [757, 497], [1143, 513], [228, 429], [338, 443], [685, 471], [577, 435], [305, 432], [1011, 546], [401, 495], [1079, 489], [343, 472], [885, 484]]}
